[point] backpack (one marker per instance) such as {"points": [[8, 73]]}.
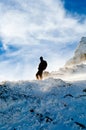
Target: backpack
{"points": [[43, 65]]}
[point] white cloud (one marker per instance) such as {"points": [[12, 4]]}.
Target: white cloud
{"points": [[26, 24], [33, 21]]}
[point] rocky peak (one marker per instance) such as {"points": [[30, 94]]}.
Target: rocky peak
{"points": [[79, 55], [81, 49]]}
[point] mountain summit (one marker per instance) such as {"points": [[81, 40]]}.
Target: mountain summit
{"points": [[75, 68], [79, 55]]}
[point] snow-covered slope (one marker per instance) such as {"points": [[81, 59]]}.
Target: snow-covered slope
{"points": [[51, 104], [79, 55]]}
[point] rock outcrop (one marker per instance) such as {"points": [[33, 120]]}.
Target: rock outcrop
{"points": [[79, 55]]}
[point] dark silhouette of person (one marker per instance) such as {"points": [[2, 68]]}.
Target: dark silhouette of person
{"points": [[42, 66]]}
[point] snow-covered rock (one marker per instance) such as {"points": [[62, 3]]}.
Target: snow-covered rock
{"points": [[79, 55]]}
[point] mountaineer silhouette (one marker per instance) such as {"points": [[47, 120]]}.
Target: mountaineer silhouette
{"points": [[42, 66]]}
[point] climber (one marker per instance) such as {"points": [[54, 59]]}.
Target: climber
{"points": [[42, 66]]}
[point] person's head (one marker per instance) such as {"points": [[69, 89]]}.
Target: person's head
{"points": [[41, 58]]}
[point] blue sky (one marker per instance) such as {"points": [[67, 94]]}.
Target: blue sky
{"points": [[33, 28], [75, 6]]}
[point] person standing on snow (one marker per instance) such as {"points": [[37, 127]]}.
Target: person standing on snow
{"points": [[42, 66]]}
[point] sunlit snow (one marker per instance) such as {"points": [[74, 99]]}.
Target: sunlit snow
{"points": [[51, 104]]}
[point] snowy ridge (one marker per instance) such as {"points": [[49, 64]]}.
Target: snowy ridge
{"points": [[51, 104]]}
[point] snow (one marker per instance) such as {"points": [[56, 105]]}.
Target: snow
{"points": [[50, 104]]}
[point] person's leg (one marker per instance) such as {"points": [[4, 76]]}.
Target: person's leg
{"points": [[39, 75]]}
